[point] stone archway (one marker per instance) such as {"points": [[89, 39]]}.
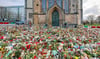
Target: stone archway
{"points": [[49, 14]]}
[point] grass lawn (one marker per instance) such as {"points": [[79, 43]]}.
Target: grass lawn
{"points": [[92, 25]]}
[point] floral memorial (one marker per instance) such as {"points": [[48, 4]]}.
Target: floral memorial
{"points": [[24, 42]]}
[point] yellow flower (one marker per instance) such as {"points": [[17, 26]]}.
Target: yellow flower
{"points": [[76, 57], [1, 49]]}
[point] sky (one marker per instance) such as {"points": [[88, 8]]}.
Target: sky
{"points": [[90, 7], [11, 2]]}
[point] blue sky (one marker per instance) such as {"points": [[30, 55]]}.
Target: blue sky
{"points": [[89, 6]]}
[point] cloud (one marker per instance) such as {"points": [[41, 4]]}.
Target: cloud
{"points": [[84, 1], [91, 7], [93, 10]]}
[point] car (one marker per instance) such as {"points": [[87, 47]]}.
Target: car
{"points": [[20, 22]]}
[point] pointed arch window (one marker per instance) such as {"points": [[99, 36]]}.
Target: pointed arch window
{"points": [[51, 3], [44, 6], [59, 2], [66, 6]]}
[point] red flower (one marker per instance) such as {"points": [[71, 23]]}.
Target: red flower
{"points": [[26, 42], [15, 39], [93, 27], [11, 40], [62, 42], [98, 26], [49, 37], [31, 42], [35, 57], [65, 55], [36, 43], [23, 48], [1, 56], [71, 49], [70, 40], [2, 37], [24, 34], [35, 33], [98, 43], [89, 40], [77, 39], [41, 39], [71, 57], [19, 58], [28, 46], [68, 46]]}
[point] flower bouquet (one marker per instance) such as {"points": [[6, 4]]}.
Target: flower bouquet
{"points": [[17, 53]]}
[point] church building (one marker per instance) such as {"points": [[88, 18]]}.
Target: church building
{"points": [[54, 12]]}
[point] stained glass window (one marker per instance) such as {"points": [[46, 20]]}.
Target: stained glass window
{"points": [[44, 5], [51, 3], [66, 6], [59, 2]]}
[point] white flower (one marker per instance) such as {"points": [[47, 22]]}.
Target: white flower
{"points": [[74, 38], [36, 36]]}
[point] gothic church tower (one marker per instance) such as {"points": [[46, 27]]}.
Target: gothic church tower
{"points": [[37, 11]]}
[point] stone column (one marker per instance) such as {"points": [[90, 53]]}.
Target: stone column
{"points": [[47, 4], [80, 16], [37, 11], [63, 4]]}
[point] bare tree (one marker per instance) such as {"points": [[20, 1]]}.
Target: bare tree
{"points": [[91, 18], [98, 19]]}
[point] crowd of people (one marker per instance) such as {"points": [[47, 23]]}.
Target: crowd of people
{"points": [[25, 42]]}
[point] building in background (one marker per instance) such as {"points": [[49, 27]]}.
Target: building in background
{"points": [[29, 10], [12, 13], [54, 12]]}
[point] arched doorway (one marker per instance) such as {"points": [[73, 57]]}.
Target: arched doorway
{"points": [[55, 18]]}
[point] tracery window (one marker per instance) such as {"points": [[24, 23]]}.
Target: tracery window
{"points": [[66, 6], [51, 3], [44, 5], [59, 2]]}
